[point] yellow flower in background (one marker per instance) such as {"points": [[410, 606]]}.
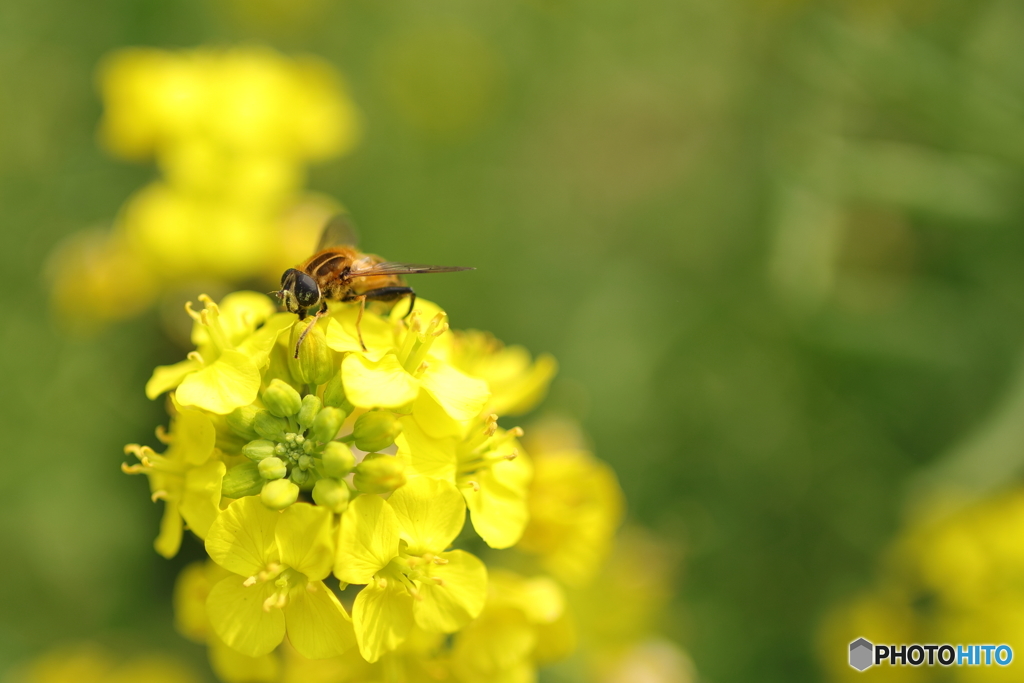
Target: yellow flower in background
{"points": [[575, 506], [90, 663], [517, 384], [398, 548], [953, 577], [232, 132], [278, 562], [191, 590], [186, 477]]}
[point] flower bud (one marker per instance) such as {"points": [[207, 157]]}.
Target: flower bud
{"points": [[279, 494], [310, 407], [332, 494], [382, 474], [334, 392], [315, 363], [272, 468], [240, 422], [326, 424], [337, 460], [281, 399], [304, 479], [270, 426], [242, 480], [376, 430], [259, 449]]}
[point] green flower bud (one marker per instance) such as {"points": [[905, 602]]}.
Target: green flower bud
{"points": [[376, 430], [315, 363], [272, 468], [259, 449], [240, 422], [334, 392], [242, 480], [381, 474], [304, 479], [270, 426], [308, 412], [279, 494], [332, 494], [281, 399], [326, 425], [337, 460]]}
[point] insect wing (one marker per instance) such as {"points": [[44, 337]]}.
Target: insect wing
{"points": [[340, 231], [392, 268]]}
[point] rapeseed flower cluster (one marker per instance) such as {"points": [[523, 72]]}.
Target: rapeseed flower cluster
{"points": [[953, 577], [365, 513], [231, 132]]}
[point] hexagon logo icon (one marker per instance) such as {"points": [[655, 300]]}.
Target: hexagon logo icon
{"points": [[860, 654]]}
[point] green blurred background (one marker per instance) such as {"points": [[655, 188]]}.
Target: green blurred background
{"points": [[775, 246]]}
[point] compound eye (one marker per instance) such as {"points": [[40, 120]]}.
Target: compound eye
{"points": [[307, 293]]}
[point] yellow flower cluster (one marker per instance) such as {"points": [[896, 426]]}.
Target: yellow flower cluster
{"points": [[231, 132], [954, 578], [332, 489], [91, 663]]}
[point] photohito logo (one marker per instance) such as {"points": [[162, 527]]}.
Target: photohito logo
{"points": [[864, 654]]}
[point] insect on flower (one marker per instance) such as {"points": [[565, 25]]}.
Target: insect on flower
{"points": [[338, 271]]}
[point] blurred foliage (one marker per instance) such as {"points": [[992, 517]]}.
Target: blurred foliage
{"points": [[773, 244]]}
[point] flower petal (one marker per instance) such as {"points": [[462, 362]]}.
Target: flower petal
{"points": [[461, 396], [377, 334], [367, 540], [318, 625], [200, 501], [305, 541], [166, 377], [241, 539], [261, 342], [458, 598], [380, 384], [430, 512], [231, 381], [234, 667], [426, 455], [382, 617], [499, 510], [238, 618], [432, 418], [194, 436], [169, 540]]}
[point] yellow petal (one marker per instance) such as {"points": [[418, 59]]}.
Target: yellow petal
{"points": [[305, 541], [241, 539], [166, 377], [242, 312], [377, 333], [380, 384], [194, 436], [522, 394], [367, 539], [430, 512], [433, 420], [426, 455], [238, 618], [229, 382], [318, 625], [382, 617], [200, 502], [260, 343], [458, 598], [498, 509], [234, 667], [461, 396], [169, 540]]}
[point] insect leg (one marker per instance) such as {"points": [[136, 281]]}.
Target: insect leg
{"points": [[302, 337], [379, 294]]}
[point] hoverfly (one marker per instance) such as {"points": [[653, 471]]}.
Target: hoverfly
{"points": [[338, 271]]}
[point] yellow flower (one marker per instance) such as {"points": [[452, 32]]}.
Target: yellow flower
{"points": [[224, 373], [89, 663], [185, 477], [524, 621], [575, 507], [191, 590], [397, 547], [405, 365], [517, 384], [283, 557], [489, 468]]}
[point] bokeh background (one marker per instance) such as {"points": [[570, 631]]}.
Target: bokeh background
{"points": [[774, 244]]}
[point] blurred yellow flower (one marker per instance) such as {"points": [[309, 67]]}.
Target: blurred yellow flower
{"points": [[517, 384], [89, 663]]}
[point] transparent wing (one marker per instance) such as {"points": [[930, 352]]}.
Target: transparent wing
{"points": [[391, 268], [340, 231]]}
